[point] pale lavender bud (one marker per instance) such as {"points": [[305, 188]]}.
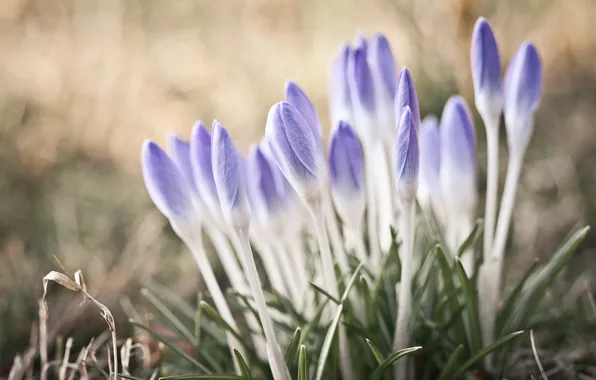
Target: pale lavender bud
{"points": [[458, 157], [200, 158], [166, 184], [362, 92], [486, 71], [180, 153], [384, 74], [406, 96], [346, 174], [430, 156], [523, 89], [407, 157], [294, 148], [228, 173], [298, 98], [340, 101]]}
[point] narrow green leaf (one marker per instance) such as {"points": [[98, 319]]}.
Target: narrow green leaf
{"points": [[451, 290], [201, 377], [198, 320], [218, 319], [513, 298], [535, 351], [473, 329], [327, 343], [324, 292], [379, 357], [172, 347], [242, 365], [472, 237], [351, 282], [293, 347], [485, 351], [94, 366], [302, 364], [176, 323], [386, 364], [315, 321], [448, 368]]}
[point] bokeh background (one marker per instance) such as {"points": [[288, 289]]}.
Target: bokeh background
{"points": [[84, 82]]}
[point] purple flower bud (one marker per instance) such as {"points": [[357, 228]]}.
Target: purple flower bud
{"points": [[340, 105], [430, 155], [362, 92], [486, 71], [458, 157], [406, 96], [346, 173], [228, 173], [200, 158], [407, 158], [294, 148], [166, 184], [523, 88], [264, 185], [180, 153], [298, 98]]}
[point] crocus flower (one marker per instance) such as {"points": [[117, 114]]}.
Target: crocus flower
{"points": [[406, 96], [298, 98], [362, 93], [180, 153], [458, 157], [486, 71], [384, 74], [346, 173], [166, 184], [407, 157], [294, 148], [523, 88], [200, 158], [340, 101], [228, 174]]}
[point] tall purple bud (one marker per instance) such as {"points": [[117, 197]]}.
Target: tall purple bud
{"points": [[180, 153], [486, 72], [166, 184], [228, 174], [362, 93], [407, 157], [406, 95], [384, 74], [346, 174], [458, 158], [523, 89], [340, 100], [298, 98], [295, 149], [200, 158]]}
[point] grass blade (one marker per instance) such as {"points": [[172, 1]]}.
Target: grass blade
{"points": [[379, 357], [302, 364], [324, 292], [386, 364], [327, 343], [293, 347], [202, 377], [174, 321], [242, 365], [473, 329], [449, 366]]}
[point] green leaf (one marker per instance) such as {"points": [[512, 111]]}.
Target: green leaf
{"points": [[386, 364], [172, 347], [302, 364], [242, 365], [379, 357], [485, 351], [327, 343], [176, 323], [198, 320], [472, 237], [473, 329], [324, 292], [535, 351], [351, 283], [293, 347], [218, 319], [511, 301], [448, 368], [451, 290]]}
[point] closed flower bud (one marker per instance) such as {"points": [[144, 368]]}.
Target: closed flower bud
{"points": [[362, 93], [523, 89], [346, 173], [295, 149], [180, 153], [200, 158], [486, 71], [299, 100], [458, 158], [340, 101], [228, 173], [406, 96], [407, 157], [166, 184], [384, 74]]}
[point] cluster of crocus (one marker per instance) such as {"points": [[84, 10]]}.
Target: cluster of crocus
{"points": [[380, 160]]}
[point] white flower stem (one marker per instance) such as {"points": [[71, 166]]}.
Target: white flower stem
{"points": [[492, 271], [371, 213], [384, 191], [401, 336], [194, 242], [288, 271], [276, 360], [334, 233], [492, 184]]}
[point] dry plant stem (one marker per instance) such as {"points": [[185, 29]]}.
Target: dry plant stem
{"points": [[401, 337], [195, 243], [494, 266], [276, 359], [492, 183]]}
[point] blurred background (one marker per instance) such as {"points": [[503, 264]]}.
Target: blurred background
{"points": [[84, 82]]}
